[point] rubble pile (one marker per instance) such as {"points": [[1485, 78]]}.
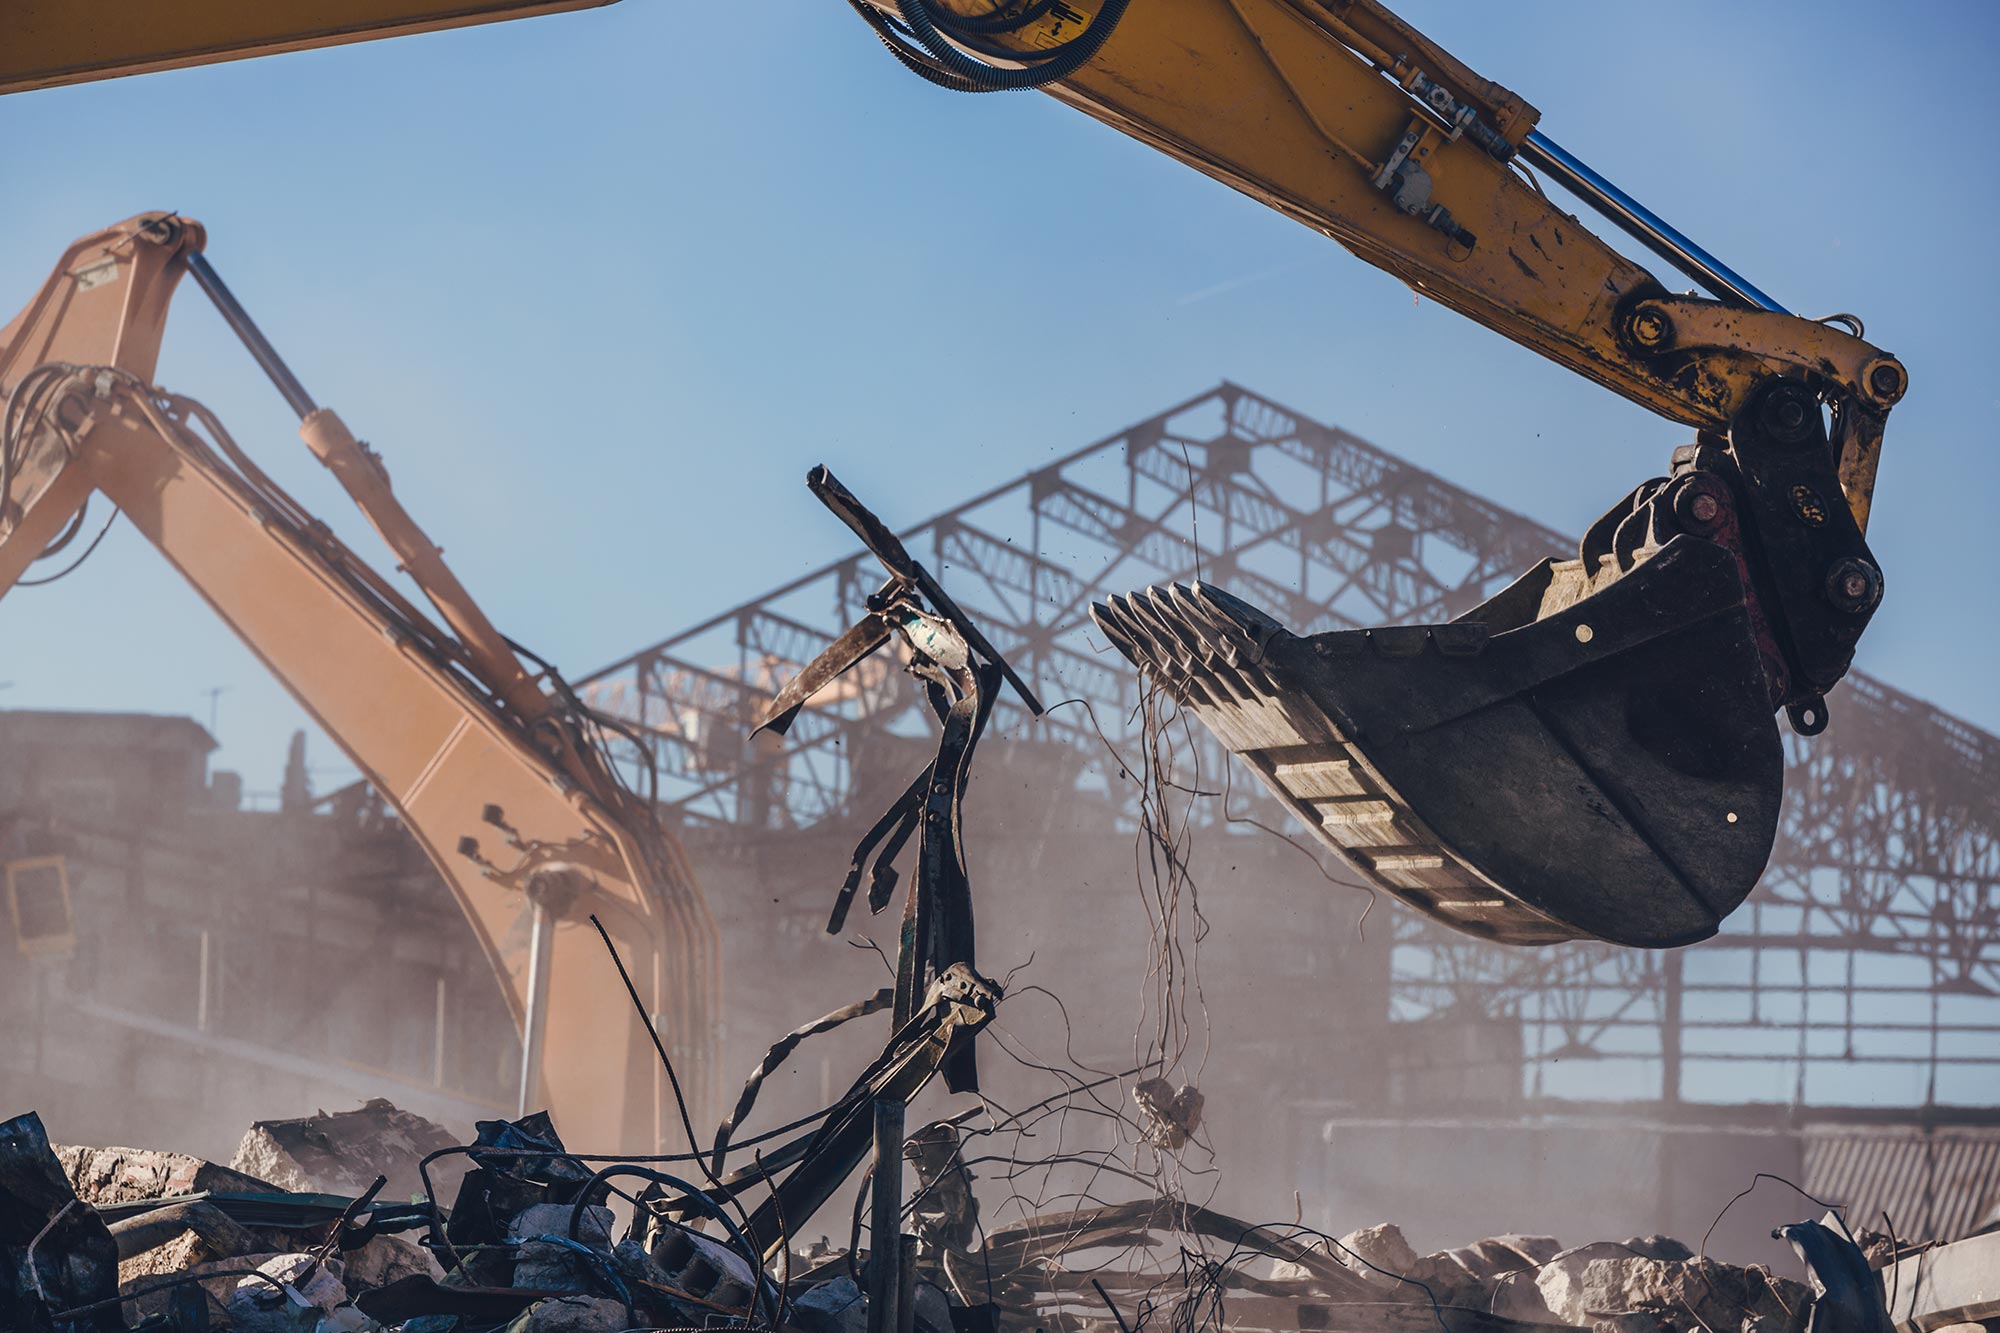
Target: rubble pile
{"points": [[533, 1240]]}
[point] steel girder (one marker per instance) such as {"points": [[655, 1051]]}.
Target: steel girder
{"points": [[1868, 959]]}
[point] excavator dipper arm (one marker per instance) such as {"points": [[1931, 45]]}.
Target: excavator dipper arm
{"points": [[1591, 753], [46, 43], [490, 773]]}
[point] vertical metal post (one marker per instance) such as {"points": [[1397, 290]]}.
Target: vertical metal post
{"points": [[885, 1225], [437, 1037], [536, 1019], [201, 995], [1670, 1029], [906, 1283]]}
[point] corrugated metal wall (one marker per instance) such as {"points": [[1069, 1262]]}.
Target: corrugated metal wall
{"points": [[1934, 1183]]}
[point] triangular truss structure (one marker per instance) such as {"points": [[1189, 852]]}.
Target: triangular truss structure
{"points": [[1865, 969]]}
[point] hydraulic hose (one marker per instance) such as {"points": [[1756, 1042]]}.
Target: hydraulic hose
{"points": [[937, 59]]}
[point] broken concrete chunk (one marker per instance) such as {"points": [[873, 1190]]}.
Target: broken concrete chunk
{"points": [[832, 1307], [552, 1265], [592, 1224], [342, 1153], [1557, 1290], [103, 1176], [1170, 1116], [1382, 1245], [1691, 1294], [701, 1266], [294, 1299], [1656, 1247], [571, 1314], [386, 1259], [653, 1288], [135, 1274]]}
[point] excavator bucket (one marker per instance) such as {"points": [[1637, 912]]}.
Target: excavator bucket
{"points": [[1609, 771]]}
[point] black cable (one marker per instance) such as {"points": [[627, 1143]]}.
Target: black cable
{"points": [[921, 44], [923, 20], [709, 1206], [77, 563], [995, 20]]}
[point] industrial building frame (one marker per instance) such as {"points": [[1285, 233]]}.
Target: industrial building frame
{"points": [[1865, 968]]}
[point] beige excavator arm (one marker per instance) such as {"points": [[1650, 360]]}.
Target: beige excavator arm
{"points": [[498, 774]]}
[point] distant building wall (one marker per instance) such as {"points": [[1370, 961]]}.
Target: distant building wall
{"points": [[225, 965]]}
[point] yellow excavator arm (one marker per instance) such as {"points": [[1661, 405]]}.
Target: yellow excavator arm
{"points": [[1591, 752], [499, 775], [45, 43], [1339, 114]]}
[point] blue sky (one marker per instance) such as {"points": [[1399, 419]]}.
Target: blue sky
{"points": [[602, 286]]}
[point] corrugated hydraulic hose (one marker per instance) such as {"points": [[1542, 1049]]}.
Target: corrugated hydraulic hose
{"points": [[932, 42]]}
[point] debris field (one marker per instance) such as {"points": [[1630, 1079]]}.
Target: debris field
{"points": [[512, 1232]]}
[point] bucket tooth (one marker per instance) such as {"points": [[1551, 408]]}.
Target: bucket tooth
{"points": [[1348, 812], [1611, 771]]}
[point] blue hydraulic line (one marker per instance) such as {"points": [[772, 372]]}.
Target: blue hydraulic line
{"points": [[1641, 222]]}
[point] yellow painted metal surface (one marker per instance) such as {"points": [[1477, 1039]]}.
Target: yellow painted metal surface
{"points": [[44, 43], [1301, 104]]}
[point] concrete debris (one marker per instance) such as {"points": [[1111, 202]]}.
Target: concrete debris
{"points": [[342, 1153], [385, 1259], [832, 1307], [531, 1244], [122, 1175], [572, 1314], [1689, 1295], [292, 1294], [1170, 1115], [1467, 1275], [1376, 1249], [550, 1257], [1939, 1286]]}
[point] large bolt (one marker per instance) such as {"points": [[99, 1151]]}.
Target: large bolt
{"points": [[1789, 413], [1651, 328], [1698, 508], [1886, 382], [1853, 585]]}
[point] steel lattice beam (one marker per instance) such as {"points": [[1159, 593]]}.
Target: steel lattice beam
{"points": [[1873, 942]]}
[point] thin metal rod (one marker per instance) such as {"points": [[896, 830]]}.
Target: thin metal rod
{"points": [[906, 1283], [1651, 230], [238, 319], [885, 1221], [437, 1036], [536, 1021]]}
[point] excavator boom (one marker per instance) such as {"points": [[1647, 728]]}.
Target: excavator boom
{"points": [[46, 43], [1591, 753], [494, 772]]}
